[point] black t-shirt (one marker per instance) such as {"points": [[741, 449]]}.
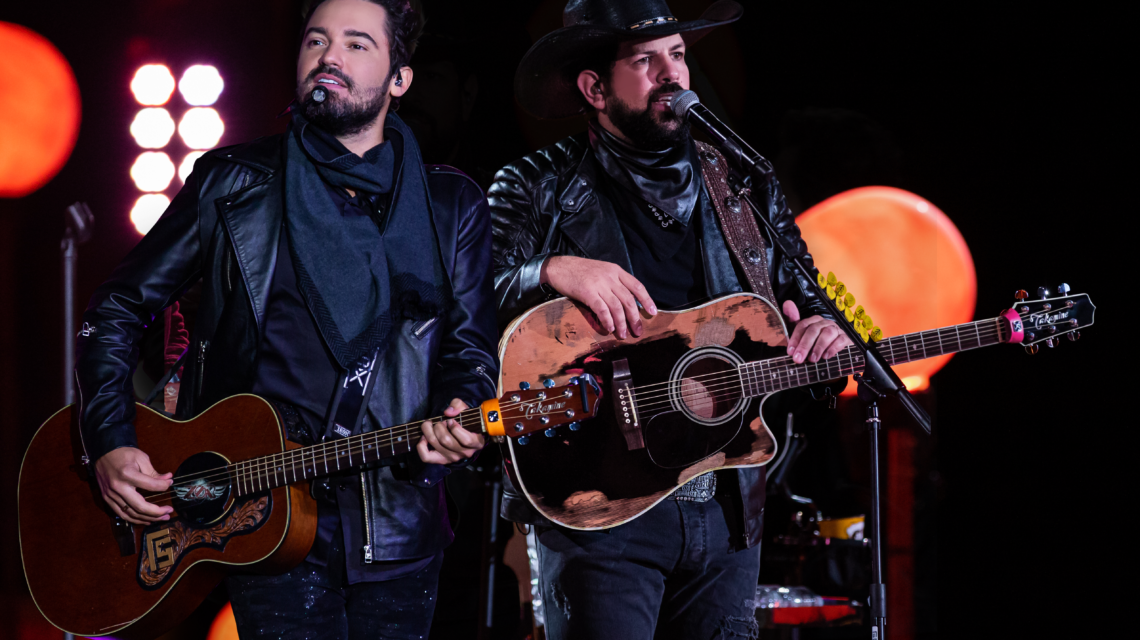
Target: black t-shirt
{"points": [[664, 253]]}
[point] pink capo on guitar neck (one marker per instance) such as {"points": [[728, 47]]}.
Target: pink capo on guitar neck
{"points": [[1013, 324]]}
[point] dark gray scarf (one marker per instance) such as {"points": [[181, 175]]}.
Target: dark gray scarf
{"points": [[667, 179], [357, 278]]}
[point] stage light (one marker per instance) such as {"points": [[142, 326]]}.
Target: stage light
{"points": [[152, 171], [152, 84], [152, 128], [201, 85], [201, 128], [39, 111], [187, 165], [904, 260], [147, 210]]}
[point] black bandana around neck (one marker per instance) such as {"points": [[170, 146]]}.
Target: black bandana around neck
{"points": [[358, 280], [666, 179]]}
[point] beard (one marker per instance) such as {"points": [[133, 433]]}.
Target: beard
{"points": [[646, 128], [343, 116]]}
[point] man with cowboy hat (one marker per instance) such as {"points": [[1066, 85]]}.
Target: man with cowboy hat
{"points": [[619, 217]]}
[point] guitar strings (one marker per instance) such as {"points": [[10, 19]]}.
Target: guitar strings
{"points": [[798, 374], [266, 464], [924, 335], [787, 369], [716, 393]]}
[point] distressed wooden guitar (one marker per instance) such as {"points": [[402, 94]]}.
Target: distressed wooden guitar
{"points": [[676, 400], [241, 501]]}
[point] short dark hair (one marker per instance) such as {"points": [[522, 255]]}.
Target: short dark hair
{"points": [[601, 61], [403, 27]]}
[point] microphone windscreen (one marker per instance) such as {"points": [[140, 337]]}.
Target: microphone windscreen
{"points": [[682, 102]]}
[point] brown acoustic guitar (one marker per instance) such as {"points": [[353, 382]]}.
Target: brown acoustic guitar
{"points": [[241, 503], [678, 397]]}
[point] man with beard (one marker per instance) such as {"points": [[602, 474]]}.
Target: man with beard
{"points": [[348, 284], [620, 218]]}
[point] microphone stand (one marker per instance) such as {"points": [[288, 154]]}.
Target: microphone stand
{"points": [[78, 221], [877, 380]]}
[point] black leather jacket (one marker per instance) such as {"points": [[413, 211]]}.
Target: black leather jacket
{"points": [[223, 228], [561, 179]]}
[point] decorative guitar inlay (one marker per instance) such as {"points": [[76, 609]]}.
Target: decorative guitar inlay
{"points": [[166, 543]]}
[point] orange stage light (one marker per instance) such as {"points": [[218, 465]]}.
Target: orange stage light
{"points": [[224, 626], [904, 260], [39, 111]]}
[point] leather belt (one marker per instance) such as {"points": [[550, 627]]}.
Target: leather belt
{"points": [[700, 489]]}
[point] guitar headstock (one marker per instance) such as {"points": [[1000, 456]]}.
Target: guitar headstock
{"points": [[523, 412], [1047, 318]]}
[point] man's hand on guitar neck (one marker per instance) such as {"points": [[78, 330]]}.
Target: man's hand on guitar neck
{"points": [[121, 473], [446, 441], [610, 292], [815, 338]]}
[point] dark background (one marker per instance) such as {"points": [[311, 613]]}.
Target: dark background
{"points": [[1012, 122]]}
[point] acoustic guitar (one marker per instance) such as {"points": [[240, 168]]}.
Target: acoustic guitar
{"points": [[679, 395], [241, 503]]}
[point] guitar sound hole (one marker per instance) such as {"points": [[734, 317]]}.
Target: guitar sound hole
{"points": [[706, 385]]}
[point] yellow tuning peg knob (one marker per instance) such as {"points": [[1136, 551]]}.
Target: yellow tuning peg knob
{"points": [[840, 289], [849, 299], [821, 280], [877, 334], [866, 319], [831, 279], [839, 302], [859, 311], [831, 292], [849, 314], [863, 333]]}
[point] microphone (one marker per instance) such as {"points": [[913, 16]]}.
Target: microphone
{"points": [[687, 106], [319, 94]]}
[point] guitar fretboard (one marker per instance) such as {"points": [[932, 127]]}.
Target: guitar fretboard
{"points": [[777, 374], [343, 454]]}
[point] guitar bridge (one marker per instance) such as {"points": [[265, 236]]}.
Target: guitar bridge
{"points": [[625, 407]]}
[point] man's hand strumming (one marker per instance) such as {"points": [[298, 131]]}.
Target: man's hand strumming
{"points": [[121, 473], [610, 292]]}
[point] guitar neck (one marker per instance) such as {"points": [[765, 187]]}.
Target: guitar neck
{"points": [[777, 374], [332, 456]]}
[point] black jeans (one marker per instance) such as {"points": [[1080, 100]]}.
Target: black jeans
{"points": [[671, 573], [305, 604]]}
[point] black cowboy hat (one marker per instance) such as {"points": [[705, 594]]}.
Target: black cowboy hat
{"points": [[542, 86]]}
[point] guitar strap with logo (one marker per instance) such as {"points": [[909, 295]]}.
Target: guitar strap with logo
{"points": [[354, 389], [737, 222]]}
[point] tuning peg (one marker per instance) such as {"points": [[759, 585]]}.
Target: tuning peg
{"points": [[575, 380], [1050, 342], [1063, 289], [519, 427], [1032, 349], [521, 440], [1042, 292], [1074, 336], [574, 426], [550, 433], [524, 385], [548, 383], [1021, 294]]}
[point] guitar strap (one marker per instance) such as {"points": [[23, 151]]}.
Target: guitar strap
{"points": [[741, 232], [352, 398]]}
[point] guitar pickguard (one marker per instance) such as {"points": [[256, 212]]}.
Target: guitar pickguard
{"points": [[164, 544]]}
